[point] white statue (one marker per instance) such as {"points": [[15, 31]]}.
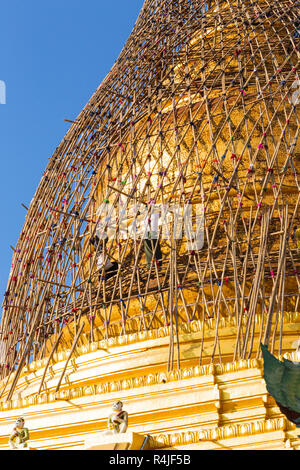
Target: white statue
{"points": [[118, 419], [19, 436]]}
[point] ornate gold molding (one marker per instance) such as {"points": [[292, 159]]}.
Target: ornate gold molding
{"points": [[193, 327], [131, 383], [163, 332], [220, 433]]}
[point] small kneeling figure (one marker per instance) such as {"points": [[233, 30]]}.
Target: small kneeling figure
{"points": [[19, 436], [118, 419]]}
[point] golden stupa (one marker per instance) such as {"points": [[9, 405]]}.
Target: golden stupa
{"points": [[162, 244]]}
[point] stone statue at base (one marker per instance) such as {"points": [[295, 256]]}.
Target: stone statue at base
{"points": [[118, 420], [19, 436]]}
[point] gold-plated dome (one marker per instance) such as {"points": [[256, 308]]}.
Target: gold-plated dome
{"points": [[200, 111]]}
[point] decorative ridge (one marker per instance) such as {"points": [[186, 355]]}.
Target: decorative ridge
{"points": [[184, 328], [131, 383], [220, 433]]}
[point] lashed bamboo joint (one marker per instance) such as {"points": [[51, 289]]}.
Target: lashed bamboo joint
{"points": [[199, 110]]}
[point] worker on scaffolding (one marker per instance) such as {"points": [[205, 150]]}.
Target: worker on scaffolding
{"points": [[296, 34], [105, 266], [151, 239]]}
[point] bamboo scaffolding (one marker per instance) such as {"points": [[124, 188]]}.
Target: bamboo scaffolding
{"points": [[196, 82]]}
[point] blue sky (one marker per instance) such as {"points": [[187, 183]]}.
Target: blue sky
{"points": [[54, 54]]}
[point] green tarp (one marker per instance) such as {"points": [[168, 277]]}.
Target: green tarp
{"points": [[283, 383]]}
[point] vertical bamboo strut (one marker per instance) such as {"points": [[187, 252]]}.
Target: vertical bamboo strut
{"points": [[198, 111], [49, 360], [69, 357]]}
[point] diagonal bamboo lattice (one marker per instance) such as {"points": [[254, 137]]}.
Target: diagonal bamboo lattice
{"points": [[199, 110]]}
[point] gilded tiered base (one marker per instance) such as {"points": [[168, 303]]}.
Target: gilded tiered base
{"points": [[213, 406]]}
